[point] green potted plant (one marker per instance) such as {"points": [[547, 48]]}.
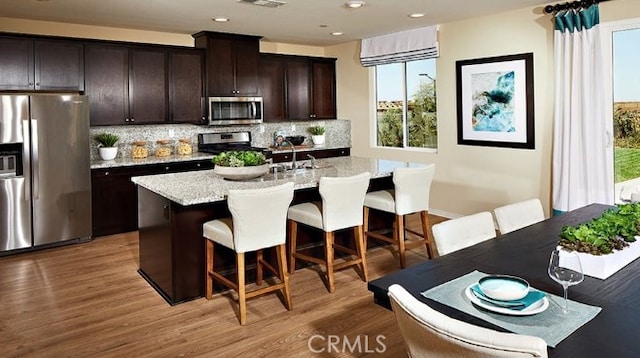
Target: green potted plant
{"points": [[240, 165], [107, 145], [317, 135]]}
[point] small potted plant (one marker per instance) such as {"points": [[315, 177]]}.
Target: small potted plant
{"points": [[107, 145], [317, 135]]}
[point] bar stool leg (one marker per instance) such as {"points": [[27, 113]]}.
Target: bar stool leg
{"points": [[426, 229], [359, 235], [328, 250], [365, 226], [242, 299], [284, 276], [259, 267], [399, 236], [209, 263], [293, 234]]}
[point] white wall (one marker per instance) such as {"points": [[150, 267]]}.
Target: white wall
{"points": [[472, 178]]}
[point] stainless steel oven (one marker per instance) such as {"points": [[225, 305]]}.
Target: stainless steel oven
{"points": [[235, 110]]}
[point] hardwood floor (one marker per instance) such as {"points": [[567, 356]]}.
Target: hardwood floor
{"points": [[87, 300]]}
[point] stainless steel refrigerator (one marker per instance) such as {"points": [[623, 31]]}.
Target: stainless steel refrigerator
{"points": [[45, 177]]}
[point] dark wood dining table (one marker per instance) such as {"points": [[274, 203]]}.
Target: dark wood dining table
{"points": [[614, 332]]}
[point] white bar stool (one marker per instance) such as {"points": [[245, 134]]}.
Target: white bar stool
{"points": [[258, 222], [410, 195], [341, 208]]}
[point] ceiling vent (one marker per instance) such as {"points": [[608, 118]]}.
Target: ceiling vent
{"points": [[264, 3]]}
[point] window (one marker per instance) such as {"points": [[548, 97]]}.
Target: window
{"points": [[406, 105]]}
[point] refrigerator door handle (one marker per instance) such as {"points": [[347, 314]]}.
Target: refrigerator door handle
{"points": [[26, 154], [35, 159]]}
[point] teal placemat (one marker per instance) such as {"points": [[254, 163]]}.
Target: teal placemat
{"points": [[551, 325]]}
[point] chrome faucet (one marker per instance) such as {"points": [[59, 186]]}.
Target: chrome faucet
{"points": [[293, 154], [312, 159]]}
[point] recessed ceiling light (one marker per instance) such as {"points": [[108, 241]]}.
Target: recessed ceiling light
{"points": [[220, 19], [337, 33], [354, 4], [416, 15]]}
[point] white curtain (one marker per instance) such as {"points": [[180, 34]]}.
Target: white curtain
{"points": [[582, 172]]}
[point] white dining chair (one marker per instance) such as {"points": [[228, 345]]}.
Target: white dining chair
{"points": [[518, 215], [455, 234], [341, 208], [428, 333], [410, 195], [258, 221]]}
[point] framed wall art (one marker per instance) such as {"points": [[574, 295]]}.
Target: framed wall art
{"points": [[495, 101]]}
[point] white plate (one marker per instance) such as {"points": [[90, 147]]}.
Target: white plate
{"points": [[535, 308]]}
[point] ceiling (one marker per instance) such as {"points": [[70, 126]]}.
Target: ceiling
{"points": [[307, 22]]}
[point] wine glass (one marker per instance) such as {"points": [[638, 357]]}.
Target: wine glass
{"points": [[566, 270]]}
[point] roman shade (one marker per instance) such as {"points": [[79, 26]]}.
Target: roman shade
{"points": [[409, 45]]}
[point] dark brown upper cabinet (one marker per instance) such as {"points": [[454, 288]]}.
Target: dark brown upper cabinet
{"points": [[143, 84], [297, 87], [231, 63], [272, 87], [42, 65], [186, 86]]}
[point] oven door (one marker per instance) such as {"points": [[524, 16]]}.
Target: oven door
{"points": [[235, 110]]}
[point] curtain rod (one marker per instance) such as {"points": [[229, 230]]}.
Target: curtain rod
{"points": [[571, 5]]}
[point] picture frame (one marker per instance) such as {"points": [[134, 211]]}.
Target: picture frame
{"points": [[495, 101]]}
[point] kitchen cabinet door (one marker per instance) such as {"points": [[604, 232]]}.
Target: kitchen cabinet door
{"points": [[148, 97], [16, 64], [298, 88], [107, 83], [246, 67], [272, 87], [186, 87], [59, 65], [324, 88], [114, 200]]}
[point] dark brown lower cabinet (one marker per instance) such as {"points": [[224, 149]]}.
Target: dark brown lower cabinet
{"points": [[114, 196], [318, 154]]}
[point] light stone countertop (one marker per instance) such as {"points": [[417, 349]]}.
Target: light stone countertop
{"points": [[128, 161], [123, 162], [204, 186]]}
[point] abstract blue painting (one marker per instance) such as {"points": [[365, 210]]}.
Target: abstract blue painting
{"points": [[495, 101], [492, 98]]}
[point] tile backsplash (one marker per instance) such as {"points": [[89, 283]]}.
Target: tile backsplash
{"points": [[338, 133]]}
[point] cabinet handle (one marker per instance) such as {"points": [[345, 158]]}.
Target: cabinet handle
{"points": [[106, 173], [166, 168], [133, 120], [30, 83], [198, 165], [37, 84], [126, 119]]}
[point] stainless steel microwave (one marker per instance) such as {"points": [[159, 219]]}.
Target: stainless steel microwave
{"points": [[235, 110]]}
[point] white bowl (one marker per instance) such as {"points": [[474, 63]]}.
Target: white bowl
{"points": [[504, 287], [241, 173]]}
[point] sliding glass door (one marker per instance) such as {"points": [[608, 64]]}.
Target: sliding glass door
{"points": [[621, 41]]}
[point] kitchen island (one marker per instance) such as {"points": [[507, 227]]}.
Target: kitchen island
{"points": [[173, 207]]}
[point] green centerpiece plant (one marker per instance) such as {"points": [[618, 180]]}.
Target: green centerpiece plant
{"points": [[240, 164], [613, 230], [239, 158]]}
